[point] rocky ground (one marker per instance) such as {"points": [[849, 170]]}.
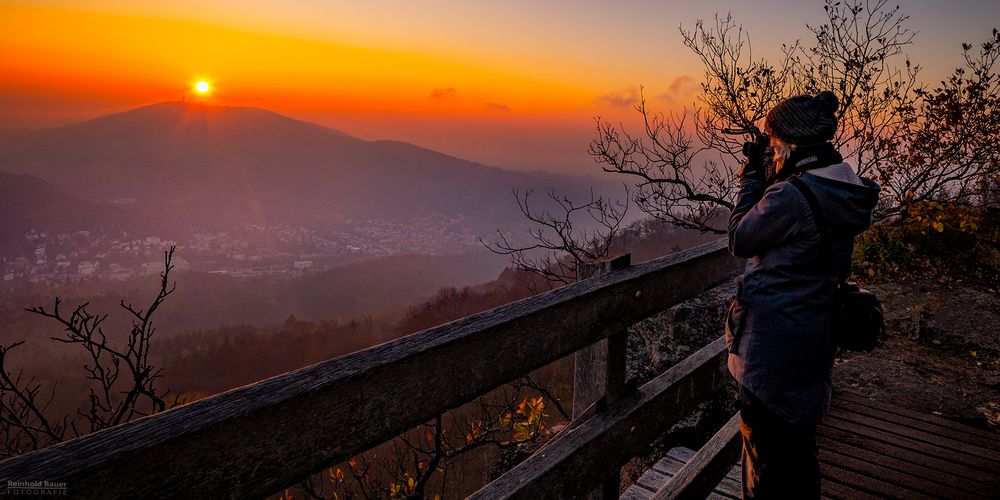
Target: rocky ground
{"points": [[941, 355]]}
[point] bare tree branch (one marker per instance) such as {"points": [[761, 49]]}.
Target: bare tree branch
{"points": [[559, 244], [122, 380]]}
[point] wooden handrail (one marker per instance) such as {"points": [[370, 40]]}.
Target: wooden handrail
{"points": [[255, 440]]}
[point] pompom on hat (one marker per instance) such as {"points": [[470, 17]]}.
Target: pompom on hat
{"points": [[804, 119]]}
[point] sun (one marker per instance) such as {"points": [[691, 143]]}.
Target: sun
{"points": [[202, 87]]}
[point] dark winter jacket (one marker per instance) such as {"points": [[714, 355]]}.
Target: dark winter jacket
{"points": [[779, 327]]}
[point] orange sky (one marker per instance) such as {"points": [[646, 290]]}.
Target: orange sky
{"points": [[515, 86], [126, 56]]}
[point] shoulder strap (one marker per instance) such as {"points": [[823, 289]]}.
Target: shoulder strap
{"points": [[818, 216]]}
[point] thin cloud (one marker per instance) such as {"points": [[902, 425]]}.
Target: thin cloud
{"points": [[682, 91], [498, 107], [443, 94], [682, 83], [620, 98]]}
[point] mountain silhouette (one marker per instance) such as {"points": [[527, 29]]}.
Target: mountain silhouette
{"points": [[214, 166]]}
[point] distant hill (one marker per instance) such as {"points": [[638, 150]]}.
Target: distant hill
{"points": [[383, 287], [388, 283], [28, 203], [217, 166]]}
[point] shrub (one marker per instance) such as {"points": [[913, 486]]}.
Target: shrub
{"points": [[932, 240]]}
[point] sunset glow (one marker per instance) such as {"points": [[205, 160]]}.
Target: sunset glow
{"points": [[516, 86]]}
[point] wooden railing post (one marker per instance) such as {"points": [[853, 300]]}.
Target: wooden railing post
{"points": [[599, 369]]}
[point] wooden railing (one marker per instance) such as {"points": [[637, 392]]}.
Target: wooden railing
{"points": [[255, 440]]}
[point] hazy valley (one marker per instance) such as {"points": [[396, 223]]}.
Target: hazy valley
{"points": [[242, 192]]}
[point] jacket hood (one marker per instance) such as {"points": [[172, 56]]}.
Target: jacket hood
{"points": [[848, 207]]}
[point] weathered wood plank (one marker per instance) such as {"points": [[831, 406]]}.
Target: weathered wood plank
{"points": [[599, 370], [709, 465], [962, 471], [871, 485], [956, 457], [896, 463], [891, 476], [841, 491], [929, 423], [617, 345], [257, 439], [917, 434], [579, 462], [673, 462], [653, 479], [636, 493], [730, 485], [589, 375]]}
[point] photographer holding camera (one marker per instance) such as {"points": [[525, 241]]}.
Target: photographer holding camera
{"points": [[797, 226]]}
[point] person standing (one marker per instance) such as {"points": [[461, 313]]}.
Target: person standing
{"points": [[779, 326]]}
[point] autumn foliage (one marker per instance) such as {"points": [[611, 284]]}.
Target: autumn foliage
{"points": [[938, 240]]}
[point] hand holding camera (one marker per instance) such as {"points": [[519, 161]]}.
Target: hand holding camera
{"points": [[755, 152]]}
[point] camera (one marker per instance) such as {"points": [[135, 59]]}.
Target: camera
{"points": [[758, 147]]}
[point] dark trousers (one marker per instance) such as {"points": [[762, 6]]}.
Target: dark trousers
{"points": [[780, 460]]}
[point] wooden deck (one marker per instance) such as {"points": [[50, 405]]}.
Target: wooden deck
{"points": [[874, 450]]}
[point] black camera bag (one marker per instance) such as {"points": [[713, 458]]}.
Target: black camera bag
{"points": [[858, 323]]}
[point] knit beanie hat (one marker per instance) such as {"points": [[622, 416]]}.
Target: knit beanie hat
{"points": [[804, 119]]}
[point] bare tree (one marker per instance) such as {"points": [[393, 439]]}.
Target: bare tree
{"points": [[562, 245], [686, 170], [685, 163], [853, 56], [669, 186], [122, 379], [26, 426], [948, 147]]}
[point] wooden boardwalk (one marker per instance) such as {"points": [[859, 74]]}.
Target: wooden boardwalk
{"points": [[874, 450]]}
